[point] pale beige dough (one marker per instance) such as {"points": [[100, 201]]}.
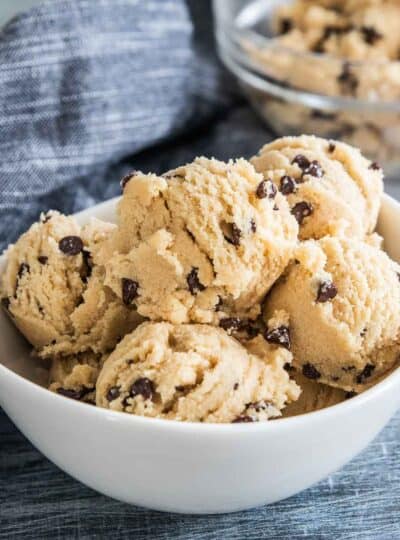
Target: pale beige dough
{"points": [[195, 373], [199, 244], [314, 396], [343, 191], [76, 376], [345, 335], [58, 300]]}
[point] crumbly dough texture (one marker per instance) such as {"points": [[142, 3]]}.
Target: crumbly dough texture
{"points": [[58, 300], [195, 373], [202, 243], [75, 376], [365, 33], [342, 297], [341, 188]]}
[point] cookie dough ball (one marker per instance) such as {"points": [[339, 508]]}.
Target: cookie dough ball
{"points": [[54, 291], [314, 396], [75, 376], [195, 373], [342, 300], [329, 185], [203, 243]]}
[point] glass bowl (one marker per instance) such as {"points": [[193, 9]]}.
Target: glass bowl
{"points": [[305, 92]]}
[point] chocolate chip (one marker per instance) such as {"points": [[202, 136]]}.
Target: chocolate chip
{"points": [[288, 367], [349, 395], [143, 387], [259, 406], [113, 393], [5, 302], [347, 79], [279, 336], [43, 259], [253, 225], [193, 281], [288, 185], [301, 210], [46, 218], [314, 169], [232, 233], [331, 147], [363, 332], [219, 303], [285, 25], [326, 291], [88, 265], [230, 323], [242, 419], [301, 161], [126, 179], [74, 394], [23, 267], [70, 245], [236, 386], [266, 188], [129, 290], [374, 166], [310, 371], [365, 373], [370, 34]]}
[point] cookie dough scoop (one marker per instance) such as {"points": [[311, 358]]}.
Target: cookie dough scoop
{"points": [[329, 185], [341, 298], [53, 289], [202, 243], [195, 373]]}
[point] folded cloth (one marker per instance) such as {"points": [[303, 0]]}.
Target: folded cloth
{"points": [[86, 85]]}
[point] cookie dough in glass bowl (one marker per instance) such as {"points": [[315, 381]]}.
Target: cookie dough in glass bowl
{"points": [[320, 67]]}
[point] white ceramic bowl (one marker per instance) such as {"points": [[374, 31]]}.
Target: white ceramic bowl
{"points": [[188, 467]]}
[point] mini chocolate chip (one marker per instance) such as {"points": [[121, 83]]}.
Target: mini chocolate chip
{"points": [[258, 406], [323, 115], [374, 166], [126, 179], [43, 259], [276, 207], [287, 185], [23, 267], [232, 233], [279, 336], [74, 394], [314, 169], [349, 395], [326, 291], [253, 225], [129, 290], [180, 388], [301, 161], [88, 265], [230, 323], [143, 387], [70, 245], [193, 281], [236, 386], [365, 373], [301, 210], [242, 419], [266, 188], [46, 218], [288, 367], [285, 25], [370, 34], [113, 393], [5, 302], [219, 303], [331, 147], [363, 332], [310, 371], [347, 79]]}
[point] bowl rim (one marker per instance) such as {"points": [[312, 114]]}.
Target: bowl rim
{"points": [[231, 33], [374, 392]]}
